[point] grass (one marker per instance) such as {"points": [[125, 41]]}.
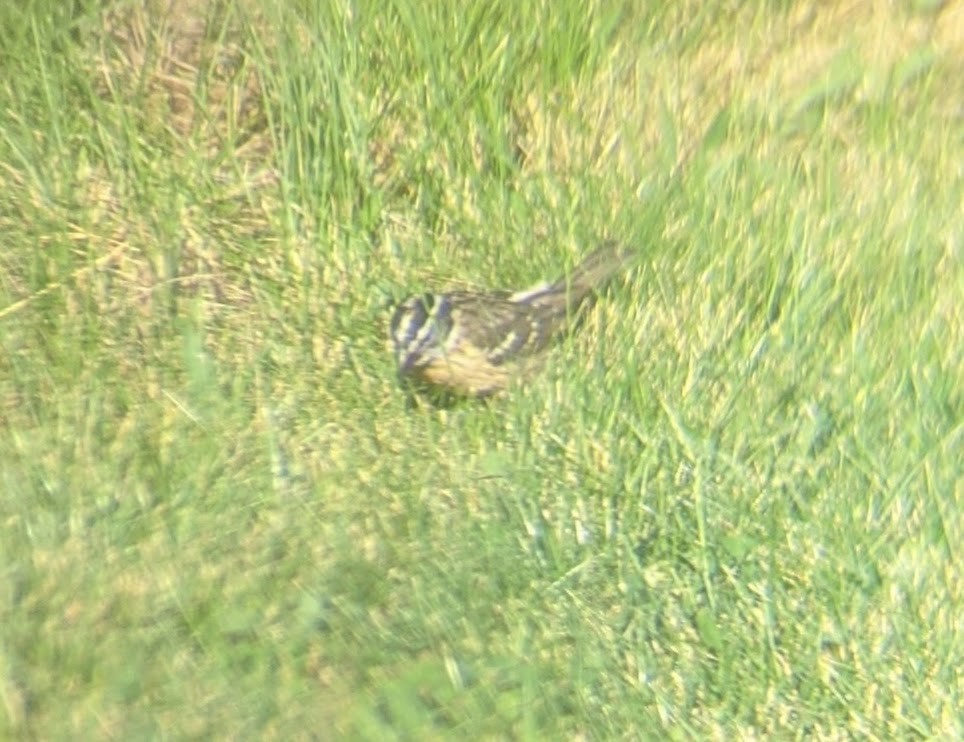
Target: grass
{"points": [[730, 507]]}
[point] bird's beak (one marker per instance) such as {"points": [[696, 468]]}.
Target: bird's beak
{"points": [[406, 362]]}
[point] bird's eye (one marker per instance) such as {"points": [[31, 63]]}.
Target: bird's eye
{"points": [[428, 301]]}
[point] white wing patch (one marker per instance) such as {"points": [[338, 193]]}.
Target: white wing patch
{"points": [[535, 292]]}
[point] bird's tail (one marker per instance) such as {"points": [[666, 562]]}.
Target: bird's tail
{"points": [[569, 293], [599, 267]]}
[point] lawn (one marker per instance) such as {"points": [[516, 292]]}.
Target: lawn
{"points": [[729, 507]]}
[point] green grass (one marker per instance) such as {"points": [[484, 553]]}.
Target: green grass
{"points": [[729, 508]]}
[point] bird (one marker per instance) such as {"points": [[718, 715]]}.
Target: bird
{"points": [[462, 344]]}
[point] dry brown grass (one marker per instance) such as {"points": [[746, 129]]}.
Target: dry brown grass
{"points": [[177, 78], [187, 61]]}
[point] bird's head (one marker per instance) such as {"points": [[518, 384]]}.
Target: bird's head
{"points": [[419, 328]]}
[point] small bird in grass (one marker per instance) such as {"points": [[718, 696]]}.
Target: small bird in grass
{"points": [[474, 344]]}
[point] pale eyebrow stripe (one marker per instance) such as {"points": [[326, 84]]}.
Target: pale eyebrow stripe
{"points": [[429, 325], [413, 317]]}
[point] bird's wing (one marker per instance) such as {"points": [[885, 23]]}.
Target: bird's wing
{"points": [[503, 329]]}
